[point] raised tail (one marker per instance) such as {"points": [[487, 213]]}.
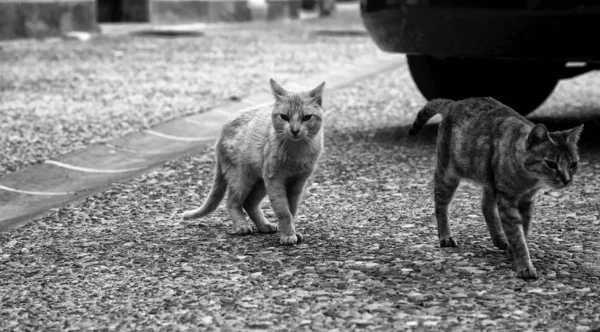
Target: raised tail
{"points": [[217, 192], [436, 106]]}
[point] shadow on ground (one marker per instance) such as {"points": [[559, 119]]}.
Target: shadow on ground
{"points": [[589, 141]]}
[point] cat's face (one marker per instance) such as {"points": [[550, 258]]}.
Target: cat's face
{"points": [[552, 157], [297, 116]]}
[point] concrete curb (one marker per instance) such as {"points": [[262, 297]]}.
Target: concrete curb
{"points": [[32, 191]]}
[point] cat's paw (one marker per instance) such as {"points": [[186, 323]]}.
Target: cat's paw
{"points": [[268, 227], [243, 229], [500, 243], [187, 215], [527, 273], [291, 240], [449, 242]]}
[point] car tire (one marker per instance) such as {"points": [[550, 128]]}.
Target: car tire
{"points": [[522, 85]]}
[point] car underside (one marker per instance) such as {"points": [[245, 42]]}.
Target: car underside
{"points": [[514, 51]]}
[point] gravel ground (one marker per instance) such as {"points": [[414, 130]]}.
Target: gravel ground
{"points": [[57, 96], [122, 260]]}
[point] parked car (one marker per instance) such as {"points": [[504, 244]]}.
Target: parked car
{"points": [[515, 51]]}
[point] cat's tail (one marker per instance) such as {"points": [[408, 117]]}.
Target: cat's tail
{"points": [[217, 192], [436, 106]]}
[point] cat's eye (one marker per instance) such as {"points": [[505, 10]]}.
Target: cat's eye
{"points": [[307, 117], [551, 164], [284, 117], [574, 164]]}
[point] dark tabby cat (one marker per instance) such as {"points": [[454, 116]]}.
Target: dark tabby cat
{"points": [[485, 141]]}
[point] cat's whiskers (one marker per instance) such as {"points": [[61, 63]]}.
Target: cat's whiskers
{"points": [[280, 140], [280, 134], [307, 139]]}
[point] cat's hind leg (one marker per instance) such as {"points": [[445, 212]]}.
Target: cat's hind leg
{"points": [[445, 186], [239, 189], [252, 207], [489, 207]]}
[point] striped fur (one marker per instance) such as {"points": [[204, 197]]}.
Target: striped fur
{"points": [[485, 141], [433, 108]]}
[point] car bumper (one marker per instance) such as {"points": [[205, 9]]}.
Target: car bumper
{"points": [[550, 34]]}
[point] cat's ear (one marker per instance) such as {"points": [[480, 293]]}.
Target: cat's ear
{"points": [[574, 134], [538, 134], [316, 94], [277, 89]]}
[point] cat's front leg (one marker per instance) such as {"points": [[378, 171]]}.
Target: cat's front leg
{"points": [[515, 234], [526, 211], [276, 190], [295, 189]]}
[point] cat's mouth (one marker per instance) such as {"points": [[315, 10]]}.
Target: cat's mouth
{"points": [[558, 184]]}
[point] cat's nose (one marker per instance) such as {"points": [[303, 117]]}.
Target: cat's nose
{"points": [[566, 179], [295, 132]]}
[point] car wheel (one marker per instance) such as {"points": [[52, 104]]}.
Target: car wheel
{"points": [[523, 85]]}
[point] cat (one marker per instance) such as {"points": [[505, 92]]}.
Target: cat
{"points": [[268, 152], [487, 142]]}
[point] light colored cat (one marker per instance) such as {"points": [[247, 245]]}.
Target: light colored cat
{"points": [[487, 142], [267, 152]]}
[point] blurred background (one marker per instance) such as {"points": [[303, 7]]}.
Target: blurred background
{"points": [[50, 18]]}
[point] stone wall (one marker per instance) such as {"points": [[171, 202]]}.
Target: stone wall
{"points": [[39, 19], [186, 11], [45, 18]]}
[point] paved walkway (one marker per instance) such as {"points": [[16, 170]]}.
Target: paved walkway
{"points": [[31, 192]]}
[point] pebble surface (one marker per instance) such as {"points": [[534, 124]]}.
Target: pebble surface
{"points": [[122, 259], [59, 96]]}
